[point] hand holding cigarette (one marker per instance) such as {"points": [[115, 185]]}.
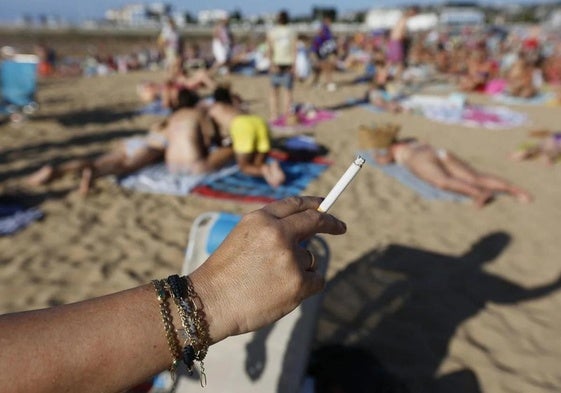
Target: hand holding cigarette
{"points": [[340, 186]]}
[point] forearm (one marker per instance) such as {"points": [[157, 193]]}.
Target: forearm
{"points": [[219, 157], [105, 344]]}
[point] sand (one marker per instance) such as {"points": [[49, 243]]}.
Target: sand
{"points": [[443, 294]]}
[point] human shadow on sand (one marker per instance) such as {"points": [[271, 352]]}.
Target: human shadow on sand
{"points": [[403, 306], [32, 151], [91, 116]]}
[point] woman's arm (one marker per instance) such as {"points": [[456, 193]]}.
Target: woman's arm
{"points": [[107, 344]]}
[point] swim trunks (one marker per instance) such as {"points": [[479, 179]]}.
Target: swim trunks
{"points": [[396, 52], [250, 134]]}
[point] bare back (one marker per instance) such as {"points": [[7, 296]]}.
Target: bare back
{"points": [[186, 147]]}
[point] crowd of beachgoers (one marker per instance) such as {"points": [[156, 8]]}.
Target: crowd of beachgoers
{"points": [[419, 107], [210, 122]]}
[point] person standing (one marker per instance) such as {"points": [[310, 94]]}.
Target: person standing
{"points": [[324, 48], [398, 44], [222, 44], [282, 41], [169, 42]]}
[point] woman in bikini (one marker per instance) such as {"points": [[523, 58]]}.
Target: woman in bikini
{"points": [[443, 169]]}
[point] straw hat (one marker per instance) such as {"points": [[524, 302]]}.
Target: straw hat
{"points": [[378, 137]]}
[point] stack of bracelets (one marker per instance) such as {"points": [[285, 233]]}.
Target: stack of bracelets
{"points": [[189, 343]]}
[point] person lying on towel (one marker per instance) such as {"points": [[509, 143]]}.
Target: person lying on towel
{"points": [[439, 167]]}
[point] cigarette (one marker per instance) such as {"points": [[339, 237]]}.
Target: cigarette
{"points": [[340, 186]]}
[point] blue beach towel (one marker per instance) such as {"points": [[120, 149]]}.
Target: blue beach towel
{"points": [[405, 177], [242, 187], [540, 99], [15, 217]]}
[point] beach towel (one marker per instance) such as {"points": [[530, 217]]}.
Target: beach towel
{"points": [[245, 188], [371, 108], [451, 110], [540, 99], [306, 120], [405, 177], [15, 217], [155, 108], [156, 179]]}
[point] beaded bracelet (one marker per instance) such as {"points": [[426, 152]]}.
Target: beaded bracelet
{"points": [[173, 342], [177, 288], [195, 327]]}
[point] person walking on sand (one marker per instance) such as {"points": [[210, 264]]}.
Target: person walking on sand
{"points": [[222, 44], [397, 45], [324, 49], [169, 42], [250, 137], [282, 41]]}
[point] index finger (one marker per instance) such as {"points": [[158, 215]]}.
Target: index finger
{"points": [[305, 224], [291, 205]]}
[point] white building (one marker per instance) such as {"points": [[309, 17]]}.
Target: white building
{"points": [[141, 15], [207, 17], [385, 19]]}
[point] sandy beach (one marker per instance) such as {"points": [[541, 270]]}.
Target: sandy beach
{"points": [[446, 296]]}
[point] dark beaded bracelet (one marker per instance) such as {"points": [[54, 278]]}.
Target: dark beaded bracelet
{"points": [[177, 288]]}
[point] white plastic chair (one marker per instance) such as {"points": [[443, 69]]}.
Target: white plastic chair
{"points": [[273, 359]]}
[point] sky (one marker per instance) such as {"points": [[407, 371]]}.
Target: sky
{"points": [[76, 10]]}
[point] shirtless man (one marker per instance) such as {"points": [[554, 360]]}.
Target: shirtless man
{"points": [[183, 140], [190, 134], [448, 172], [397, 45], [250, 138]]}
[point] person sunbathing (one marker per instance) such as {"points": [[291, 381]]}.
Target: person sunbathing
{"points": [[127, 156], [167, 92], [548, 149], [441, 168], [250, 138]]}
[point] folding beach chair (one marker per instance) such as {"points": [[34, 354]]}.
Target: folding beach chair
{"points": [[273, 359], [18, 85]]}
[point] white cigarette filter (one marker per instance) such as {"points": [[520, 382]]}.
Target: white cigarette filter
{"points": [[340, 186]]}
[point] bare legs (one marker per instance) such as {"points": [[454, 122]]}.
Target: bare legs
{"points": [[452, 174], [273, 174], [48, 173], [463, 171], [274, 103], [112, 163], [287, 97]]}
